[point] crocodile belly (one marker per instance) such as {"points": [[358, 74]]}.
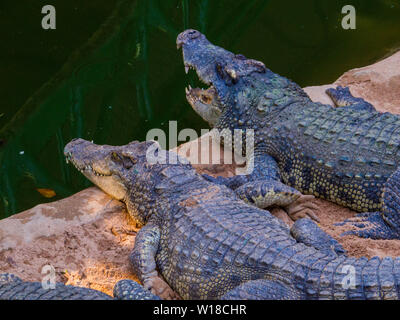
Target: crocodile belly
{"points": [[358, 194]]}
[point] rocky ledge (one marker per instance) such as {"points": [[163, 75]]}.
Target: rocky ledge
{"points": [[87, 237]]}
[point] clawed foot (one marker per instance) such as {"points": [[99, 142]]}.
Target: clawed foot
{"points": [[369, 225], [160, 288], [309, 233], [303, 207], [342, 97]]}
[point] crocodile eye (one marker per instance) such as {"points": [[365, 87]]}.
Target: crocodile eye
{"points": [[232, 73], [116, 157], [220, 71], [257, 66], [126, 161], [205, 99], [228, 75]]}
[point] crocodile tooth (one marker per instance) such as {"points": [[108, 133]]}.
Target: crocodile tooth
{"points": [[186, 69], [190, 87], [187, 90]]}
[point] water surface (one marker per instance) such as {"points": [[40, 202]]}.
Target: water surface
{"points": [[110, 71]]}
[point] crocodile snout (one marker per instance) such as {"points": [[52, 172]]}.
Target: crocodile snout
{"points": [[186, 36], [75, 145], [74, 142]]}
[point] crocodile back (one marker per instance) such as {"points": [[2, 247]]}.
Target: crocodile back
{"points": [[339, 154], [213, 242]]}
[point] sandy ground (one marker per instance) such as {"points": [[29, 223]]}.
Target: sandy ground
{"points": [[87, 237]]}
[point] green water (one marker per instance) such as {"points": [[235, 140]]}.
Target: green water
{"points": [[110, 71]]}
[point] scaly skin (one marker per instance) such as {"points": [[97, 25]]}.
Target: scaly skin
{"points": [[13, 288], [348, 154], [206, 243]]}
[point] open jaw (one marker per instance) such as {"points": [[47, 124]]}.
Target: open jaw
{"points": [[209, 62], [205, 101], [203, 95]]}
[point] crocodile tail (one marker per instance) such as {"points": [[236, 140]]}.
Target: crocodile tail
{"points": [[13, 288], [320, 276]]}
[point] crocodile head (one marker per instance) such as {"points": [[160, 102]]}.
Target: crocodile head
{"points": [[237, 87], [114, 169]]}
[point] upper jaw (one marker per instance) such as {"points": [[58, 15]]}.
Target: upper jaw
{"points": [[198, 55], [195, 50], [204, 71], [188, 36], [85, 168], [202, 77], [83, 154]]}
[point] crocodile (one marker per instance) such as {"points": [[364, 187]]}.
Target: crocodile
{"points": [[348, 153], [200, 240], [14, 288]]}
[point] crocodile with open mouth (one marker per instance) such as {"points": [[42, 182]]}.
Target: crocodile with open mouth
{"points": [[348, 154], [206, 242]]}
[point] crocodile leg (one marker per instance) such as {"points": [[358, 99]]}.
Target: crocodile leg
{"points": [[263, 188], [131, 290], [262, 290], [384, 224], [267, 193], [308, 232], [342, 97], [143, 261]]}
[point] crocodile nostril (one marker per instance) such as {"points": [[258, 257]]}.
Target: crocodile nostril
{"points": [[193, 34], [186, 35]]}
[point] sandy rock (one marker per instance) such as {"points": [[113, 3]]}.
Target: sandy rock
{"points": [[317, 93], [379, 83], [87, 237]]}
